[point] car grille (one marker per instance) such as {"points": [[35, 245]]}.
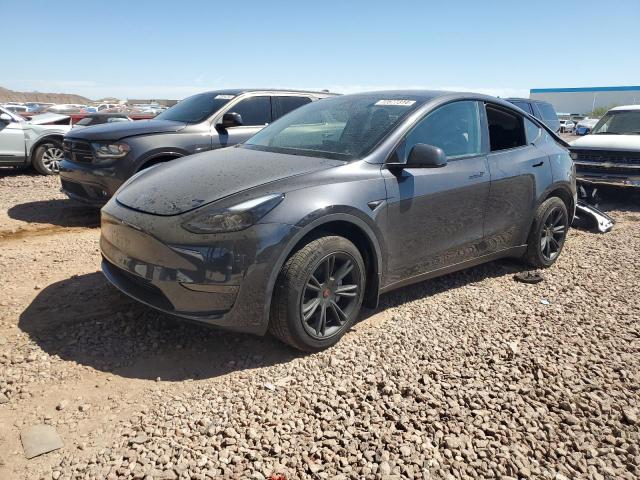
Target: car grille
{"points": [[584, 168], [140, 288], [77, 151], [603, 156]]}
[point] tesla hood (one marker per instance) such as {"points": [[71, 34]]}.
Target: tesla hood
{"points": [[185, 184]]}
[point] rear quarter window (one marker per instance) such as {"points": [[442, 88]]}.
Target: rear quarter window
{"points": [[524, 106], [285, 105], [547, 111]]}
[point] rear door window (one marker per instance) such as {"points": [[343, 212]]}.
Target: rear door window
{"points": [[506, 128], [286, 104], [254, 110]]}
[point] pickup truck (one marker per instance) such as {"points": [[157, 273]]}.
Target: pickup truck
{"points": [[610, 154]]}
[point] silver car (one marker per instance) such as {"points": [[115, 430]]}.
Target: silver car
{"points": [[36, 142]]}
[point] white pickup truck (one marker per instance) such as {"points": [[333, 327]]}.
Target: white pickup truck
{"points": [[36, 142], [610, 154]]}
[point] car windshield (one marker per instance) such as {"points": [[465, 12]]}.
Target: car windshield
{"points": [[619, 122], [340, 127], [196, 108]]}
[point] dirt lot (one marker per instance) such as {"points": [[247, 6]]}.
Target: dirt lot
{"points": [[468, 376]]}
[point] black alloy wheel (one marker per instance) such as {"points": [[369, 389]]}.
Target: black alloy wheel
{"points": [[330, 295], [553, 233], [318, 293], [548, 233]]}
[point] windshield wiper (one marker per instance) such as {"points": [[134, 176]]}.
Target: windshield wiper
{"points": [[606, 133]]}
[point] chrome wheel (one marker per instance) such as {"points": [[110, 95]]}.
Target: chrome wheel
{"points": [[330, 295], [52, 157], [554, 231]]}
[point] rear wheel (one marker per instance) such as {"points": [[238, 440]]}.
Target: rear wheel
{"points": [[47, 157], [318, 294], [548, 233]]}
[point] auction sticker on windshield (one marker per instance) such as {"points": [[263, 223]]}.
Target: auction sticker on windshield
{"points": [[395, 103], [224, 97]]}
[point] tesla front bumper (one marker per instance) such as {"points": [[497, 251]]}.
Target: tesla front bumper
{"points": [[224, 281]]}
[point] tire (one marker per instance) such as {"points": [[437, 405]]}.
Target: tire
{"points": [[303, 283], [47, 157], [548, 233]]}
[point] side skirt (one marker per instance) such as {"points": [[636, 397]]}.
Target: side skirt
{"points": [[12, 161], [509, 252]]}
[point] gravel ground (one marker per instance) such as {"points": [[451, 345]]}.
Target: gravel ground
{"points": [[472, 375]]}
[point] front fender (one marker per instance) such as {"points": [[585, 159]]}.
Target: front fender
{"points": [[32, 139], [156, 154], [314, 221]]}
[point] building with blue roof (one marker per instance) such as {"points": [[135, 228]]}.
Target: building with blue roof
{"points": [[585, 99]]}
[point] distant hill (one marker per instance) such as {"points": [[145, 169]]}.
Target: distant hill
{"points": [[11, 96]]}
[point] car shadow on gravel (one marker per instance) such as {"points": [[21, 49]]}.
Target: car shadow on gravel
{"points": [[85, 320], [14, 172], [64, 213]]}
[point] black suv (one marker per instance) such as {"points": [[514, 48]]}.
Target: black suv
{"points": [[540, 109], [99, 159]]}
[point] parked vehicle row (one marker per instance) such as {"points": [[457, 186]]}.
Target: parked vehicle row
{"points": [[27, 107], [31, 108], [295, 228], [584, 126]]}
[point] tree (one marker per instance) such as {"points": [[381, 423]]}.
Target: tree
{"points": [[600, 111]]}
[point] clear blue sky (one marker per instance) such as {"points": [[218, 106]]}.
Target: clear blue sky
{"points": [[158, 49]]}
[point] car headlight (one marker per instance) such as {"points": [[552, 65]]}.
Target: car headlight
{"points": [[232, 219], [110, 150]]}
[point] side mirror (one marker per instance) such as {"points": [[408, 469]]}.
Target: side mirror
{"points": [[5, 117], [422, 156], [428, 156], [231, 119]]}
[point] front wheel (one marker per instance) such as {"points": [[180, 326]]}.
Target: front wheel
{"points": [[318, 294], [47, 157], [548, 233]]}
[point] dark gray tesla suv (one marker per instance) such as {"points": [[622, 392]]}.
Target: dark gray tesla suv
{"points": [[335, 203]]}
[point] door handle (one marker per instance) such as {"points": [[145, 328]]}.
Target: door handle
{"points": [[538, 164], [476, 175]]}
